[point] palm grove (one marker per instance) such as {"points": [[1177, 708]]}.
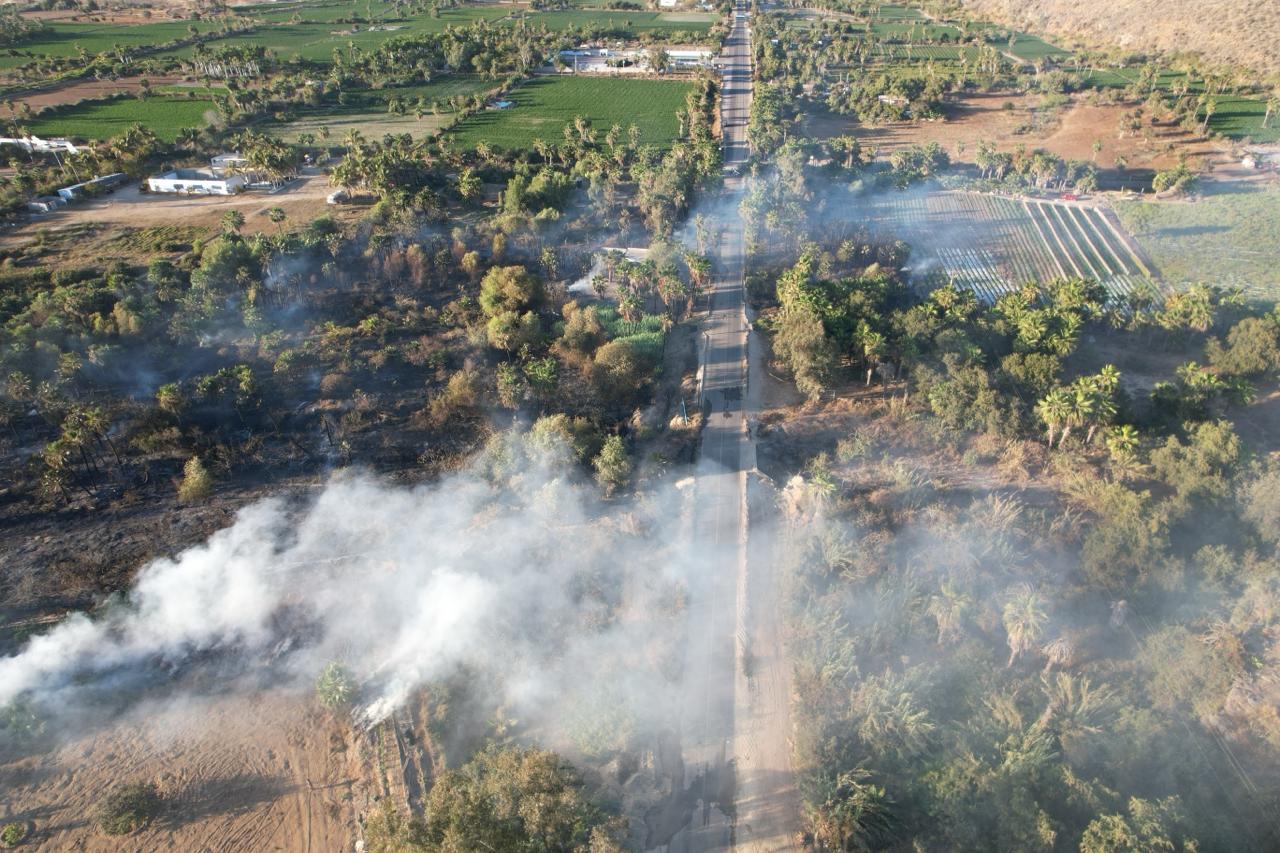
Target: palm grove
{"points": [[1032, 599]]}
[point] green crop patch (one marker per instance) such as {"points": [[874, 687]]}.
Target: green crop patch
{"points": [[316, 41], [320, 11], [66, 38], [543, 106], [1030, 48], [106, 119], [1238, 118], [1225, 238], [621, 23], [419, 110]]}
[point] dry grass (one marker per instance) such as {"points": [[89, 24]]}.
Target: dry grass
{"points": [[1232, 32]]}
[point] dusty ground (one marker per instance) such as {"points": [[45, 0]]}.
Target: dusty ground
{"points": [[1224, 31], [373, 125], [258, 772], [97, 224], [81, 90], [1069, 132], [120, 13]]}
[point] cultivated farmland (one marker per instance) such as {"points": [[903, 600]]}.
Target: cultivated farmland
{"points": [[1227, 237], [106, 119], [992, 244], [629, 23], [368, 111], [316, 40], [544, 105], [67, 38]]}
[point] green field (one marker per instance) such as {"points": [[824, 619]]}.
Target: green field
{"points": [[620, 22], [1241, 117], [322, 11], [1029, 48], [106, 119], [915, 31], [317, 33], [65, 38], [367, 112], [316, 41], [545, 105], [1226, 238]]}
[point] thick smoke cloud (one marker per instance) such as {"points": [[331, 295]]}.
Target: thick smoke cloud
{"points": [[533, 583]]}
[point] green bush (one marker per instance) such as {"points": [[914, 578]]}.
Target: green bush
{"points": [[11, 834], [129, 808]]}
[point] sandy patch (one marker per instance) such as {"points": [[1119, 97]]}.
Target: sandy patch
{"points": [[259, 772]]}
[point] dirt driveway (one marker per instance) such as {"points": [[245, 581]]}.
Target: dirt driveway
{"points": [[302, 201]]}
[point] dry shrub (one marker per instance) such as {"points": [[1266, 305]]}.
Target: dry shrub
{"points": [[335, 384], [1019, 459]]}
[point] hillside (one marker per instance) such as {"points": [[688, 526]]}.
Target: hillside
{"points": [[1223, 31]]}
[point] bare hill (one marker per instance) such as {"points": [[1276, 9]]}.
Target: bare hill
{"points": [[1237, 32]]}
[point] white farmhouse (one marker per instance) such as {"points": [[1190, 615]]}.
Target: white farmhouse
{"points": [[197, 182]]}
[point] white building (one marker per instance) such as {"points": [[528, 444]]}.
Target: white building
{"points": [[690, 57], [37, 145], [97, 184], [229, 163], [197, 182]]}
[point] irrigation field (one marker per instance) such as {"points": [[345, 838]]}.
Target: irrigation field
{"points": [[99, 120], [544, 105], [992, 244]]}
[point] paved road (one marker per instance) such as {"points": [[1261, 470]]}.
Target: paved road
{"points": [[717, 710]]}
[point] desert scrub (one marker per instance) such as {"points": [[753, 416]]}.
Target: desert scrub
{"points": [[128, 808]]}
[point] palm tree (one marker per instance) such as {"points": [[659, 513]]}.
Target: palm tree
{"points": [[1100, 390], [1054, 410], [232, 222], [1122, 445], [1059, 652], [851, 814], [189, 138], [1273, 106], [949, 608], [277, 216], [1024, 620], [1075, 709], [1080, 410], [1210, 107], [873, 346], [544, 150]]}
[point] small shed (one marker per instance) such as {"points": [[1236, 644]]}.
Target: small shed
{"points": [[46, 204], [105, 183]]}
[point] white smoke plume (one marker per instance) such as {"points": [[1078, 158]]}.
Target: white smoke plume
{"points": [[533, 582]]}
